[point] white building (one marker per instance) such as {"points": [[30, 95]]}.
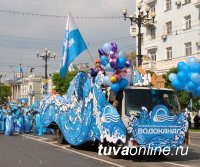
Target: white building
{"points": [[28, 88], [174, 37]]}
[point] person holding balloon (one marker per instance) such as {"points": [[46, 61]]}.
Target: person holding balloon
{"points": [[98, 68]]}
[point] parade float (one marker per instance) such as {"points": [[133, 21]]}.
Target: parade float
{"points": [[145, 116]]}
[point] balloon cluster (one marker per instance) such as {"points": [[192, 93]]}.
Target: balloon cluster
{"points": [[188, 76], [115, 65]]}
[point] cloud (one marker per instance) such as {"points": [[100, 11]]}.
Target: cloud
{"points": [[21, 36]]}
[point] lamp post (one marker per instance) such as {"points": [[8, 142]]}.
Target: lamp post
{"points": [[46, 56], [139, 20]]}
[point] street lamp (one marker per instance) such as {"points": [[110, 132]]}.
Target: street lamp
{"points": [[140, 20], [45, 56]]}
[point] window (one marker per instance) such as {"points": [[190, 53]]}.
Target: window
{"points": [[152, 98], [169, 53], [188, 22], [169, 28], [187, 1], [153, 55], [153, 33], [168, 5], [188, 48]]}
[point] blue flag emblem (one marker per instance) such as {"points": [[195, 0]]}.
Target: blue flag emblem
{"points": [[73, 45]]}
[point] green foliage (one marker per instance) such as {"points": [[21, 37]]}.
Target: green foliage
{"points": [[5, 91], [183, 96], [62, 84]]}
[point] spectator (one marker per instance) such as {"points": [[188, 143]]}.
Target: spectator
{"points": [[196, 121], [189, 121]]}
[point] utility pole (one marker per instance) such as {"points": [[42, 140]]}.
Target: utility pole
{"points": [[45, 56]]}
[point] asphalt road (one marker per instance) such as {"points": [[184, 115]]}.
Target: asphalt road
{"points": [[28, 150]]}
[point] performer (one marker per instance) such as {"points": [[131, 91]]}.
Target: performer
{"points": [[19, 126], [27, 120], [94, 71], [2, 118], [39, 127], [9, 130]]}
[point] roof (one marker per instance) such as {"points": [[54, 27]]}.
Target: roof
{"points": [[140, 87]]}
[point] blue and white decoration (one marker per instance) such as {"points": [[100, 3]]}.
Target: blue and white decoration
{"points": [[73, 45], [84, 115], [157, 128], [140, 80]]}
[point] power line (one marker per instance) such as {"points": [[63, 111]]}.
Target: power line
{"points": [[19, 13]]}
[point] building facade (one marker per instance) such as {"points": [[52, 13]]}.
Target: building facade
{"points": [[173, 37], [29, 88]]}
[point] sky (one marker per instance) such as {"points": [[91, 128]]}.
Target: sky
{"points": [[21, 36]]}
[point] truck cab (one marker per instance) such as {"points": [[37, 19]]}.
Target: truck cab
{"points": [[150, 108]]}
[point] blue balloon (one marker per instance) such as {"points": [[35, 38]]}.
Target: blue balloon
{"points": [[121, 62], [195, 77], [191, 86], [109, 68], [186, 68], [107, 47], [191, 61], [177, 84], [104, 60], [189, 75], [123, 83], [182, 76], [197, 91], [115, 87], [172, 76], [107, 81], [196, 68], [180, 65], [121, 54]]}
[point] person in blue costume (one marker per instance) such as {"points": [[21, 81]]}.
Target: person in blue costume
{"points": [[9, 130], [39, 126], [27, 119], [19, 126], [2, 118]]}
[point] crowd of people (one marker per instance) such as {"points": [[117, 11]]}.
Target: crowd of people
{"points": [[20, 118]]}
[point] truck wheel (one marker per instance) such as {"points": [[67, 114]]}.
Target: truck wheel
{"points": [[59, 136], [112, 155]]}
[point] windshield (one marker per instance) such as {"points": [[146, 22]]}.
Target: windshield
{"points": [[149, 98]]}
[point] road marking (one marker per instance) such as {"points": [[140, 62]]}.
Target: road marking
{"points": [[53, 142], [76, 152], [171, 163], [194, 145], [195, 137]]}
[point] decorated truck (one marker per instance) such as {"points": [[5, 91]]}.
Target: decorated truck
{"points": [[145, 116]]}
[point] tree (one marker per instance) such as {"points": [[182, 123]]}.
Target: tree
{"points": [[183, 96], [5, 92], [62, 84]]}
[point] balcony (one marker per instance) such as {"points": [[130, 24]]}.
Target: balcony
{"points": [[149, 65], [197, 3], [148, 23], [133, 31], [161, 67], [151, 2]]}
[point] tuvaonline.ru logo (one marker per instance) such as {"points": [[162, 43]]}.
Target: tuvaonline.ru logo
{"points": [[125, 150]]}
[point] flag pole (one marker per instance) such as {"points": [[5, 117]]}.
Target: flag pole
{"points": [[90, 56]]}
